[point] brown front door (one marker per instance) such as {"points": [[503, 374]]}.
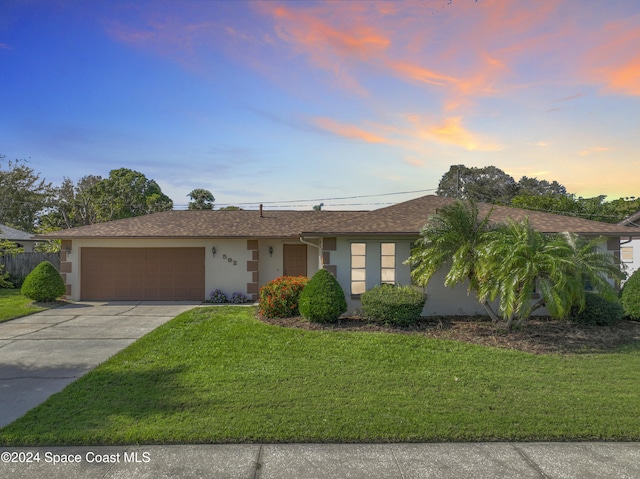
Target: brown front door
{"points": [[295, 260]]}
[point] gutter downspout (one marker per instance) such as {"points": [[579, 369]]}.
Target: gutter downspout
{"points": [[320, 262]]}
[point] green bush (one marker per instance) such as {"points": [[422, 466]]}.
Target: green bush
{"points": [[598, 311], [631, 296], [322, 299], [279, 298], [44, 283], [5, 281], [394, 305]]}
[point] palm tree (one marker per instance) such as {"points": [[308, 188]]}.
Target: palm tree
{"points": [[519, 263], [453, 235]]}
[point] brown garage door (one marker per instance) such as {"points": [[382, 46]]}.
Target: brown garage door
{"points": [[142, 274]]}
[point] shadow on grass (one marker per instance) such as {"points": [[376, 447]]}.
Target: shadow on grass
{"points": [[102, 407]]}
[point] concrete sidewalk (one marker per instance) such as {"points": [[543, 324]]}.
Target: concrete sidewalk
{"points": [[329, 461], [42, 353]]}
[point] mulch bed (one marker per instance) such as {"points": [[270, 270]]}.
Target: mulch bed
{"points": [[538, 336]]}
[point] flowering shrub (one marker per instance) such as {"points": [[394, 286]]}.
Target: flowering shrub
{"points": [[218, 296], [279, 298], [238, 298]]}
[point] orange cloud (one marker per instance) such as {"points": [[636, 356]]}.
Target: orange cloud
{"points": [[413, 161], [349, 131], [420, 74], [597, 149], [616, 63], [452, 132]]}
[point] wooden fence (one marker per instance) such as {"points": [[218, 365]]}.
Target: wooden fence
{"points": [[20, 265]]}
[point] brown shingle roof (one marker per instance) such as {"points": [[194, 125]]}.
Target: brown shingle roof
{"points": [[208, 224], [405, 218], [409, 217]]}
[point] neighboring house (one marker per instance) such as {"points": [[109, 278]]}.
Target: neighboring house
{"points": [[22, 239], [630, 248], [185, 255]]}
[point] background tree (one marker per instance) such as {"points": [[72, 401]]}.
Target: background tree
{"points": [[71, 205], [488, 184], [201, 199], [127, 193], [23, 195], [230, 208], [535, 187], [595, 208]]}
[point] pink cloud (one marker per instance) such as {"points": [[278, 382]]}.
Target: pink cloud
{"points": [[349, 131]]}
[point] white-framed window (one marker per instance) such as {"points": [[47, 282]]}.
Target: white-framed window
{"points": [[626, 254], [388, 263], [358, 268]]}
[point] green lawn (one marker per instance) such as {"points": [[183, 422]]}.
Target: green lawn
{"points": [[217, 375], [14, 305]]}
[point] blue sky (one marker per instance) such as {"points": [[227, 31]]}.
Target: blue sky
{"points": [[278, 101]]}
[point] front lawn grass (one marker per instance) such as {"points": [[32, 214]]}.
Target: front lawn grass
{"points": [[218, 375], [13, 305]]}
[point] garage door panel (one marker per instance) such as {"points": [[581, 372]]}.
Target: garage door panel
{"points": [[142, 274]]}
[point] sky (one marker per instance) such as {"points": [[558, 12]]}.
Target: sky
{"points": [[292, 103]]}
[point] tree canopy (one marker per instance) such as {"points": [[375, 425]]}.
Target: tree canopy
{"points": [[490, 184], [23, 194], [201, 199], [127, 193]]}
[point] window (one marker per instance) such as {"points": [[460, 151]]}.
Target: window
{"points": [[358, 268], [388, 263], [626, 254]]}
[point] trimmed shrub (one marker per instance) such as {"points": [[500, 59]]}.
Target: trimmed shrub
{"points": [[394, 305], [631, 296], [44, 283], [598, 311], [322, 299], [279, 298]]}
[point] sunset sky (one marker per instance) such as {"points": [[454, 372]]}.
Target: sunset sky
{"points": [[282, 101]]}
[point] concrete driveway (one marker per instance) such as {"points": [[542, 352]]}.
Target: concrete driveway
{"points": [[42, 353]]}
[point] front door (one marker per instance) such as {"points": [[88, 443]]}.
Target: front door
{"points": [[295, 260]]}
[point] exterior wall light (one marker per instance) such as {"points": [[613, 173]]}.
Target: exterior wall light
{"points": [[213, 250], [270, 250]]}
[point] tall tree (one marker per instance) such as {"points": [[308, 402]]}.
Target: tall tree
{"points": [[23, 195], [488, 184], [534, 186], [72, 205], [201, 199], [126, 193]]}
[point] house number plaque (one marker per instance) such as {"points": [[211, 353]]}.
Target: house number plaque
{"points": [[230, 260]]}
